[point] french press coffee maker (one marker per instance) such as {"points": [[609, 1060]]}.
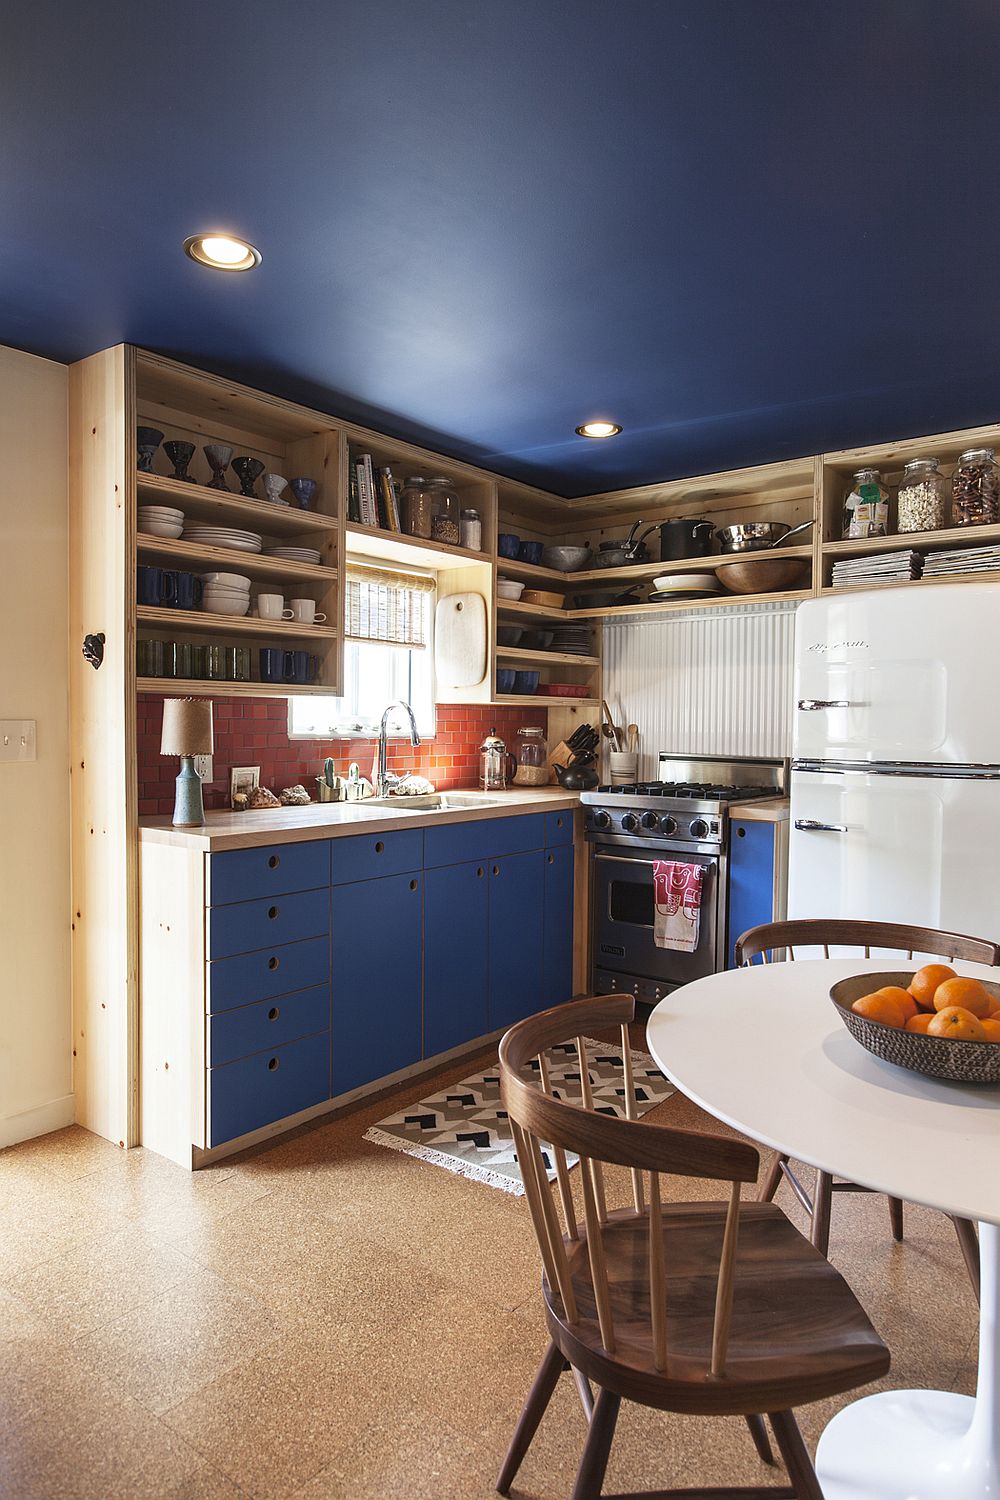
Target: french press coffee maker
{"points": [[495, 763]]}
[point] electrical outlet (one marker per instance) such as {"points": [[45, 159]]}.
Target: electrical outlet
{"points": [[17, 739], [203, 766]]}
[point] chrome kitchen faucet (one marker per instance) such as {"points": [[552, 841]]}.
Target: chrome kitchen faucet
{"points": [[385, 780]]}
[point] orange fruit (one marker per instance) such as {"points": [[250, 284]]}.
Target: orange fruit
{"points": [[958, 1024], [903, 998], [926, 980], [880, 1007], [967, 994], [920, 1022], [992, 1029]]}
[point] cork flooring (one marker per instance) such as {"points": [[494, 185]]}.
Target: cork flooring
{"points": [[329, 1320]]}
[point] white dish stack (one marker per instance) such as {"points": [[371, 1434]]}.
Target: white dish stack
{"points": [[224, 536], [225, 594], [160, 520]]}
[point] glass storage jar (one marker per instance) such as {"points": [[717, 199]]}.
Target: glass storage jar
{"points": [[531, 753], [445, 512], [472, 530], [866, 506], [975, 489], [416, 504], [922, 501]]}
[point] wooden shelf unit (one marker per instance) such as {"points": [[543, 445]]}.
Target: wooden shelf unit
{"points": [[195, 556], [413, 551], [214, 508], [546, 658]]}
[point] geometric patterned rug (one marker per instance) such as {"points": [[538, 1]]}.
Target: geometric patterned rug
{"points": [[464, 1127]]}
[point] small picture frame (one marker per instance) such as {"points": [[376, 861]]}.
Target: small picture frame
{"points": [[242, 780]]}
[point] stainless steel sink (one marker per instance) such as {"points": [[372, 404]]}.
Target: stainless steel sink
{"points": [[433, 802]]}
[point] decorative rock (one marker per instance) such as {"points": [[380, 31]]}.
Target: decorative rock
{"points": [[294, 796]]}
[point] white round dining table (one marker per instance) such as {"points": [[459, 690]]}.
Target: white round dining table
{"points": [[801, 1084]]}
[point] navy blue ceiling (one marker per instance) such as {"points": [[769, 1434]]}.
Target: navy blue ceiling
{"points": [[744, 229]]}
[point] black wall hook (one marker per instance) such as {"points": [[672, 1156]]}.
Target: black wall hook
{"points": [[93, 649]]}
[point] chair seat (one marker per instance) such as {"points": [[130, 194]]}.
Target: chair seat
{"points": [[797, 1333]]}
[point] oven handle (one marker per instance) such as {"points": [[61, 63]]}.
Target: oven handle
{"points": [[710, 861]]}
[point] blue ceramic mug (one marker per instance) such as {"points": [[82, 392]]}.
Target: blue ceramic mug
{"points": [[156, 586], [300, 667], [187, 590], [275, 664]]}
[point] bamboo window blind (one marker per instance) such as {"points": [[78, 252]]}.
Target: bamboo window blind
{"points": [[386, 606]]}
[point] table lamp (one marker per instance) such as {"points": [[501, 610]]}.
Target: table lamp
{"points": [[187, 732]]}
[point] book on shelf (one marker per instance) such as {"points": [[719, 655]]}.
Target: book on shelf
{"points": [[353, 497], [390, 500], [366, 490]]}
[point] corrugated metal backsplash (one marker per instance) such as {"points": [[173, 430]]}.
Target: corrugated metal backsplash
{"points": [[703, 682]]}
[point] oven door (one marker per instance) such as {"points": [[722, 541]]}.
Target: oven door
{"points": [[622, 921]]}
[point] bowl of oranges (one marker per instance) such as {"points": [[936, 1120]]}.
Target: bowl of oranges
{"points": [[934, 1021]]}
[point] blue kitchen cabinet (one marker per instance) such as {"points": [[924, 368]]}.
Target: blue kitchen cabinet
{"points": [[752, 884], [376, 938], [557, 934], [456, 955], [517, 907]]}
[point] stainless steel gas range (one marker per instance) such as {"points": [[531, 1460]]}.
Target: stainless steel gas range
{"points": [[682, 815]]}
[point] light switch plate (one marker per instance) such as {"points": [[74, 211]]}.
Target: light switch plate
{"points": [[203, 765], [17, 739]]}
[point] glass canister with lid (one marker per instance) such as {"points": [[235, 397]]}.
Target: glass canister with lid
{"points": [[532, 754], [975, 489], [922, 500], [416, 505], [445, 511], [866, 506]]}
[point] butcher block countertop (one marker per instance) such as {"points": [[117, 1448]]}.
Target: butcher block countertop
{"points": [[330, 820], [767, 810]]}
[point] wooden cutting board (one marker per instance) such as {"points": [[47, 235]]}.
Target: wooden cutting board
{"points": [[460, 640]]}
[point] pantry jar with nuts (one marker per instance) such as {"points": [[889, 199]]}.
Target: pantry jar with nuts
{"points": [[923, 497], [445, 511], [975, 489]]}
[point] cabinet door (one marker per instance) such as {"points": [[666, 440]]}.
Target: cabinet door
{"points": [[751, 878], [557, 958], [456, 955], [517, 896], [376, 936]]}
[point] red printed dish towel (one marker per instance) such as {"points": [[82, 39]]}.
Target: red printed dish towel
{"points": [[677, 901]]}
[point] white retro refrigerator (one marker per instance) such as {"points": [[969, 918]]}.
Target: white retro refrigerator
{"points": [[895, 784]]}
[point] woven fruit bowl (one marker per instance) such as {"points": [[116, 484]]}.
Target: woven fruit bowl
{"points": [[937, 1056]]}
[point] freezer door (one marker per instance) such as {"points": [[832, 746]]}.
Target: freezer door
{"points": [[907, 675], [918, 849]]}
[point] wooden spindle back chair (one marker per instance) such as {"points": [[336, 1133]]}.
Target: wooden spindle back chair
{"points": [[716, 1308], [773, 941]]}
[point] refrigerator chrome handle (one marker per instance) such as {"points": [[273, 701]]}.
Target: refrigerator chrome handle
{"points": [[810, 825], [810, 705]]}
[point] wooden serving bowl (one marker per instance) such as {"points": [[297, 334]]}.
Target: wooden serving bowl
{"points": [[937, 1056], [762, 575]]}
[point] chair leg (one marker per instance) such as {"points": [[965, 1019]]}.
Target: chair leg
{"points": [[539, 1396], [820, 1230], [896, 1217], [969, 1241], [758, 1431], [594, 1463], [773, 1178], [796, 1455]]}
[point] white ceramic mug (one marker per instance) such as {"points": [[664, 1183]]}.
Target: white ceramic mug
{"points": [[304, 610], [272, 607]]}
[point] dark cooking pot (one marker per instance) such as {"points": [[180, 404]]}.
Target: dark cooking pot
{"points": [[685, 538]]}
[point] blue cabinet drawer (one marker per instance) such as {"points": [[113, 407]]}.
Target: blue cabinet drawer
{"points": [[489, 838], [258, 1090], [268, 1023], [268, 972], [367, 856], [751, 879], [559, 827], [246, 874], [262, 924]]}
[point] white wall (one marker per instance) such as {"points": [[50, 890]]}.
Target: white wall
{"points": [[35, 1005]]}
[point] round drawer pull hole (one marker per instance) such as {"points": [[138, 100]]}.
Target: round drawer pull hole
{"points": [[273, 1065], [480, 872], [273, 1013], [273, 961], [274, 861], [552, 859], [496, 869], [380, 847], [741, 833], [273, 911], [413, 885]]}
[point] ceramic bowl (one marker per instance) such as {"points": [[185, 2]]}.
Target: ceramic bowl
{"points": [[226, 604], [225, 580], [161, 528], [508, 545], [505, 679], [937, 1056], [537, 640], [531, 552], [508, 589], [509, 635], [566, 559], [525, 682]]}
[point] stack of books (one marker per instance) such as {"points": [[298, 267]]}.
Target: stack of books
{"points": [[876, 568], [373, 494], [962, 560]]}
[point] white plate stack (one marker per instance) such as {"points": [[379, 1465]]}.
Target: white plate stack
{"points": [[160, 520], [684, 586], [225, 594], [294, 554], [223, 536]]}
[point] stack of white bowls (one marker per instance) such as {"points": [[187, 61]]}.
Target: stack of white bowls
{"points": [[160, 520], [225, 594]]}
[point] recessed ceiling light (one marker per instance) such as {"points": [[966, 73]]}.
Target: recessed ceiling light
{"points": [[223, 252], [599, 429]]}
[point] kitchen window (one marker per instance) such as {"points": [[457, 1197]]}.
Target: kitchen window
{"points": [[388, 654]]}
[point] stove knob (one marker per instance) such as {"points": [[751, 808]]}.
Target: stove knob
{"points": [[602, 819], [699, 828], [629, 823], [650, 821], [668, 825]]}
